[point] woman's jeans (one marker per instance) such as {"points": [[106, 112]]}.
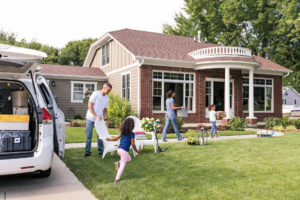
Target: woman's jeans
{"points": [[171, 118], [213, 128], [89, 135]]}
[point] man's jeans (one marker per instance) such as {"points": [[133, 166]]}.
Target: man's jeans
{"points": [[171, 118], [88, 139]]}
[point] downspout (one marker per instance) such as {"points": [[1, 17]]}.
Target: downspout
{"points": [[139, 88]]}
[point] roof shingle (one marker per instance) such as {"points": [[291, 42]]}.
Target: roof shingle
{"points": [[71, 70]]}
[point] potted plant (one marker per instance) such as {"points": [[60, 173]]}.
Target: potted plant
{"points": [[192, 137]]}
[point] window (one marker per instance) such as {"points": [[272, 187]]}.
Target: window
{"points": [[126, 86], [82, 91], [263, 94], [182, 83], [295, 101], [105, 54]]}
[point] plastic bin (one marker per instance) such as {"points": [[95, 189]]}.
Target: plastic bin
{"points": [[12, 141], [182, 113]]}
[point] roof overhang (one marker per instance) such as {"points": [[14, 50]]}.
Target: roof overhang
{"points": [[221, 64], [166, 62], [73, 77]]}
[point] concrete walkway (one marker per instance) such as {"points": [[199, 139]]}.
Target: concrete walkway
{"points": [[61, 185]]}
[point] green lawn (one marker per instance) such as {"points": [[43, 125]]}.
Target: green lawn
{"points": [[77, 134], [258, 168]]}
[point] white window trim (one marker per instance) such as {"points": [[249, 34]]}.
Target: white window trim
{"points": [[80, 82], [212, 92], [125, 73], [264, 86], [162, 80]]}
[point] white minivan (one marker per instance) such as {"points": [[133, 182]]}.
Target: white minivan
{"points": [[27, 146]]}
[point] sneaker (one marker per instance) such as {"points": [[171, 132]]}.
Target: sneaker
{"points": [[165, 140], [100, 153], [86, 155], [117, 165], [116, 181]]}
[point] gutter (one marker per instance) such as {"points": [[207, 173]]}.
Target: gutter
{"points": [[139, 88], [72, 77]]}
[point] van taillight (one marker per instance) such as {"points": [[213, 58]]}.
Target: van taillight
{"points": [[47, 118]]}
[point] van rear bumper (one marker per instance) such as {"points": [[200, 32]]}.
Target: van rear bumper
{"points": [[41, 160]]}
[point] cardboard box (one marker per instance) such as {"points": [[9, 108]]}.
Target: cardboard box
{"points": [[20, 111]]}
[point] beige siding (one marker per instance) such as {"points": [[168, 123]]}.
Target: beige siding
{"points": [[97, 58], [119, 57], [116, 80]]}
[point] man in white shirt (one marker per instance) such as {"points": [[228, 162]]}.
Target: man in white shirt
{"points": [[97, 109]]}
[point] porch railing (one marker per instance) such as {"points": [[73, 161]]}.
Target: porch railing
{"points": [[220, 51]]}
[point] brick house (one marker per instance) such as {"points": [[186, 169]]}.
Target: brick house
{"points": [[70, 85], [142, 66]]}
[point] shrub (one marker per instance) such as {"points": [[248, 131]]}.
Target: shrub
{"points": [[296, 123], [192, 137], [236, 124], [273, 121], [77, 123], [77, 116], [147, 124], [118, 110], [291, 128], [278, 128], [171, 129]]}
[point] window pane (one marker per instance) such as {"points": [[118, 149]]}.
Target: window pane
{"points": [[128, 93], [103, 55], [123, 82], [245, 104], [246, 81], [187, 77], [269, 82], [156, 103], [128, 80], [178, 88], [208, 100], [259, 81], [78, 87], [245, 92], [259, 98], [77, 96], [192, 77], [107, 53], [167, 75], [269, 99]]}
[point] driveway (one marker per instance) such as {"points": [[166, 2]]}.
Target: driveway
{"points": [[62, 184]]}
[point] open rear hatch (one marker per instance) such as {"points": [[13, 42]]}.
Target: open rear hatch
{"points": [[18, 109], [16, 62]]}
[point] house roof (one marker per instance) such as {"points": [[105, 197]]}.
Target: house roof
{"points": [[72, 71], [269, 65], [153, 45], [158, 45]]}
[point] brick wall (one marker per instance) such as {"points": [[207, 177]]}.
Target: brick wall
{"points": [[200, 87]]}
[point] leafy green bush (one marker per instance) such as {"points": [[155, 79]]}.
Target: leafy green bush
{"points": [[278, 128], [291, 128], [192, 137], [118, 110], [171, 129], [77, 116], [147, 124], [285, 121], [236, 124]]}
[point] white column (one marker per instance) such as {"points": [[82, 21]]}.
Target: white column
{"points": [[227, 93], [251, 95]]}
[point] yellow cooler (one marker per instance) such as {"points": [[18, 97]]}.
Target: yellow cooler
{"points": [[14, 122]]}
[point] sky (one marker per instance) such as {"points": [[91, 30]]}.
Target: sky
{"points": [[56, 22]]}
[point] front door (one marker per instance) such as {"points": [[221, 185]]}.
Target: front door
{"points": [[215, 94]]}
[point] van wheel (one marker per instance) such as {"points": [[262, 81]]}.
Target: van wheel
{"points": [[43, 174]]}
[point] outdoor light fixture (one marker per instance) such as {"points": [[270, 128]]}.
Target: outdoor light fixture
{"points": [[53, 83]]}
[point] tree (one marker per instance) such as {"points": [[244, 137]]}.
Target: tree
{"points": [[74, 52], [270, 28]]}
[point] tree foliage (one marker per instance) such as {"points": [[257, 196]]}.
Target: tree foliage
{"points": [[74, 52], [270, 28]]}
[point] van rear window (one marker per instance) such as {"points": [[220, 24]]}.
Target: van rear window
{"points": [[7, 63], [7, 89]]}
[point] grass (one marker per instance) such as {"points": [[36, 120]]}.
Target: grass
{"points": [[258, 168], [77, 134]]}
